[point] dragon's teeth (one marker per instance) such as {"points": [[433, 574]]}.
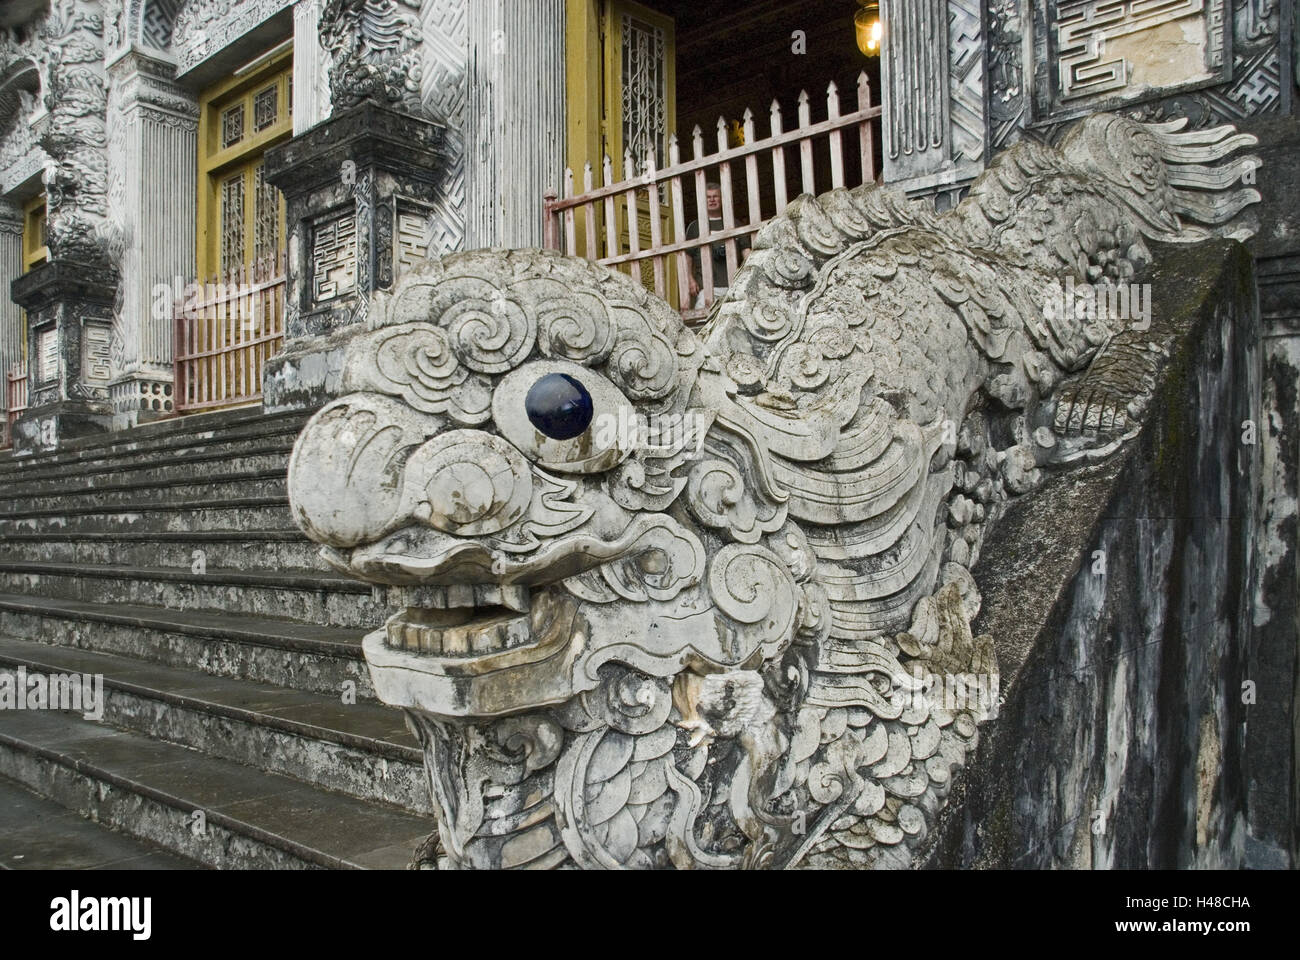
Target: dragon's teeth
{"points": [[515, 598], [461, 631], [460, 595], [511, 597], [455, 642]]}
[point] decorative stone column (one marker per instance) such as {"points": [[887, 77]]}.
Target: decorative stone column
{"points": [[69, 308], [11, 315], [311, 82], [360, 191], [69, 299], [153, 130], [933, 107], [443, 76], [515, 119]]}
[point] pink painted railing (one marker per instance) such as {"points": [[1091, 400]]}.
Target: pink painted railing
{"points": [[15, 400], [590, 220], [224, 338]]}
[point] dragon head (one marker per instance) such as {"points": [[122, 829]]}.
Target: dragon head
{"points": [[543, 459]]}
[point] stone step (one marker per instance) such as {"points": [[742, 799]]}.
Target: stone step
{"points": [[268, 549], [167, 466], [214, 489], [38, 834], [309, 657], [188, 435], [234, 513], [305, 596], [206, 808], [359, 749]]}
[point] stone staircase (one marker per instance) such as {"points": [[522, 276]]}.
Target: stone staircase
{"points": [[165, 559]]}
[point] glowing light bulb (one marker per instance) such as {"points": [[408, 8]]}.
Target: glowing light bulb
{"points": [[866, 24]]}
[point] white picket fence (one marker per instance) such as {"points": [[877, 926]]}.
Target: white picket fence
{"points": [[592, 219]]}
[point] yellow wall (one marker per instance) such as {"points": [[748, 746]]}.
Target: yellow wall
{"points": [[583, 83], [593, 53], [35, 251]]}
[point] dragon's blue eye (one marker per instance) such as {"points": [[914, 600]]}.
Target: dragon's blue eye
{"points": [[559, 406]]}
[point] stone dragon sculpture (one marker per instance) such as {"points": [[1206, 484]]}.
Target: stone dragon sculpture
{"points": [[711, 644]]}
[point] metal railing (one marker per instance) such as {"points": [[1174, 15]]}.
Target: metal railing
{"points": [[224, 337], [15, 400], [610, 220]]}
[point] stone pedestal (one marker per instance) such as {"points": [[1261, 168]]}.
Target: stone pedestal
{"points": [[361, 194], [69, 334]]}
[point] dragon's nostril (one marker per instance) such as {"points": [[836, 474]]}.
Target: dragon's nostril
{"points": [[559, 406]]}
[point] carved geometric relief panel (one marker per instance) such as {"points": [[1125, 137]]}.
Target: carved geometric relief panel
{"points": [[47, 355], [1034, 81], [444, 93], [1103, 53], [96, 339], [415, 231], [334, 256], [966, 80]]}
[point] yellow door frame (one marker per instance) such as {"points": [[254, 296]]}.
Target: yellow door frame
{"points": [[218, 163], [35, 252], [594, 127], [613, 70]]}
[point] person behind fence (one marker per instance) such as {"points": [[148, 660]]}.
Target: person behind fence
{"points": [[713, 204]]}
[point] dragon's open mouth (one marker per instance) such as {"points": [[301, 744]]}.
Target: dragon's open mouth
{"points": [[461, 632], [482, 629]]}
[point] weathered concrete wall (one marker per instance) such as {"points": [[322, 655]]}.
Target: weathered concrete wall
{"points": [[1274, 799], [1117, 596]]}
